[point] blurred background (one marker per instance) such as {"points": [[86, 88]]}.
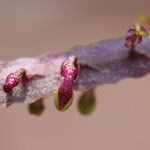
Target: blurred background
{"points": [[121, 119]]}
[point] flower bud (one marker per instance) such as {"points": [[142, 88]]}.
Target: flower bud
{"points": [[86, 103], [135, 35], [36, 108], [69, 72], [70, 68], [13, 79], [64, 96]]}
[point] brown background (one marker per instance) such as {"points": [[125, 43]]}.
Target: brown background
{"points": [[121, 120]]}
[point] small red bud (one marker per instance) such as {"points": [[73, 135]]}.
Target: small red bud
{"points": [[70, 68], [13, 79]]}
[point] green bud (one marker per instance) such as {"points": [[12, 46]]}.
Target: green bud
{"points": [[86, 103], [36, 108]]}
